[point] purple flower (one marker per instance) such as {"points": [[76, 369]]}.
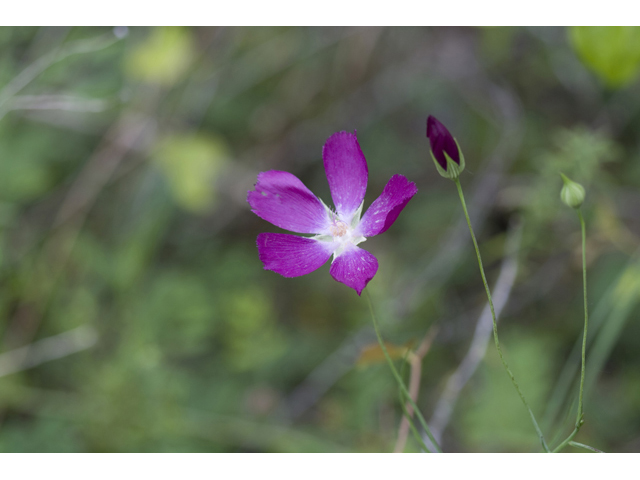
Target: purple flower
{"points": [[443, 147], [282, 199]]}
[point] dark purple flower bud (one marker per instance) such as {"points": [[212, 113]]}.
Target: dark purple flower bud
{"points": [[441, 142]]}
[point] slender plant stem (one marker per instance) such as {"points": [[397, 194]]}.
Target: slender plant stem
{"points": [[579, 419], [412, 426], [408, 415], [580, 414], [566, 440], [414, 386], [398, 378], [586, 447], [495, 323]]}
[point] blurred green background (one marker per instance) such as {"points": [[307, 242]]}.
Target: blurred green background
{"points": [[135, 314]]}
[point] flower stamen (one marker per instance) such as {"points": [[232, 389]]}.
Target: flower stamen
{"points": [[338, 228]]}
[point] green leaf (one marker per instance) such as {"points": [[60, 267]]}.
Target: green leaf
{"points": [[613, 53]]}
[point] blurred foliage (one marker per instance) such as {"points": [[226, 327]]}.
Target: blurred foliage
{"points": [[128, 263], [191, 165], [162, 58], [372, 354], [579, 154], [506, 429]]}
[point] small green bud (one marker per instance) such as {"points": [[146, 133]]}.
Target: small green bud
{"points": [[572, 193]]}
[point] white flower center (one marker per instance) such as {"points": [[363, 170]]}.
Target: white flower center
{"points": [[343, 234], [338, 228], [342, 231]]}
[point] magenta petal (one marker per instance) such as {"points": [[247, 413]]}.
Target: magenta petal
{"points": [[282, 199], [290, 255], [386, 208], [354, 267], [347, 172]]}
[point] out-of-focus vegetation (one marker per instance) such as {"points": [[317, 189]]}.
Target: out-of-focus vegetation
{"points": [[135, 314]]}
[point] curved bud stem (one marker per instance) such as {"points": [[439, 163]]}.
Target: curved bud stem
{"points": [[580, 414], [579, 419], [495, 324]]}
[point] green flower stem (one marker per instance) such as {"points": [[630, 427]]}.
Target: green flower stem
{"points": [[567, 440], [580, 414], [412, 426], [396, 375], [403, 402], [579, 419], [495, 324], [586, 447]]}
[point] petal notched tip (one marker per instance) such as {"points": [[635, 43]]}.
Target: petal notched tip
{"points": [[384, 211], [347, 171], [283, 200], [355, 268]]}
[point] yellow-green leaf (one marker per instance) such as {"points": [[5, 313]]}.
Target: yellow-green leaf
{"points": [[613, 53]]}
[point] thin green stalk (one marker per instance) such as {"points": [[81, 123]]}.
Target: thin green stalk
{"points": [[495, 324], [562, 423], [412, 425], [566, 440], [403, 402], [579, 419], [396, 375], [586, 447], [580, 414]]}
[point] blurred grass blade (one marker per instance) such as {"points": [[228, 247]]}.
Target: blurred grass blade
{"points": [[606, 323]]}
